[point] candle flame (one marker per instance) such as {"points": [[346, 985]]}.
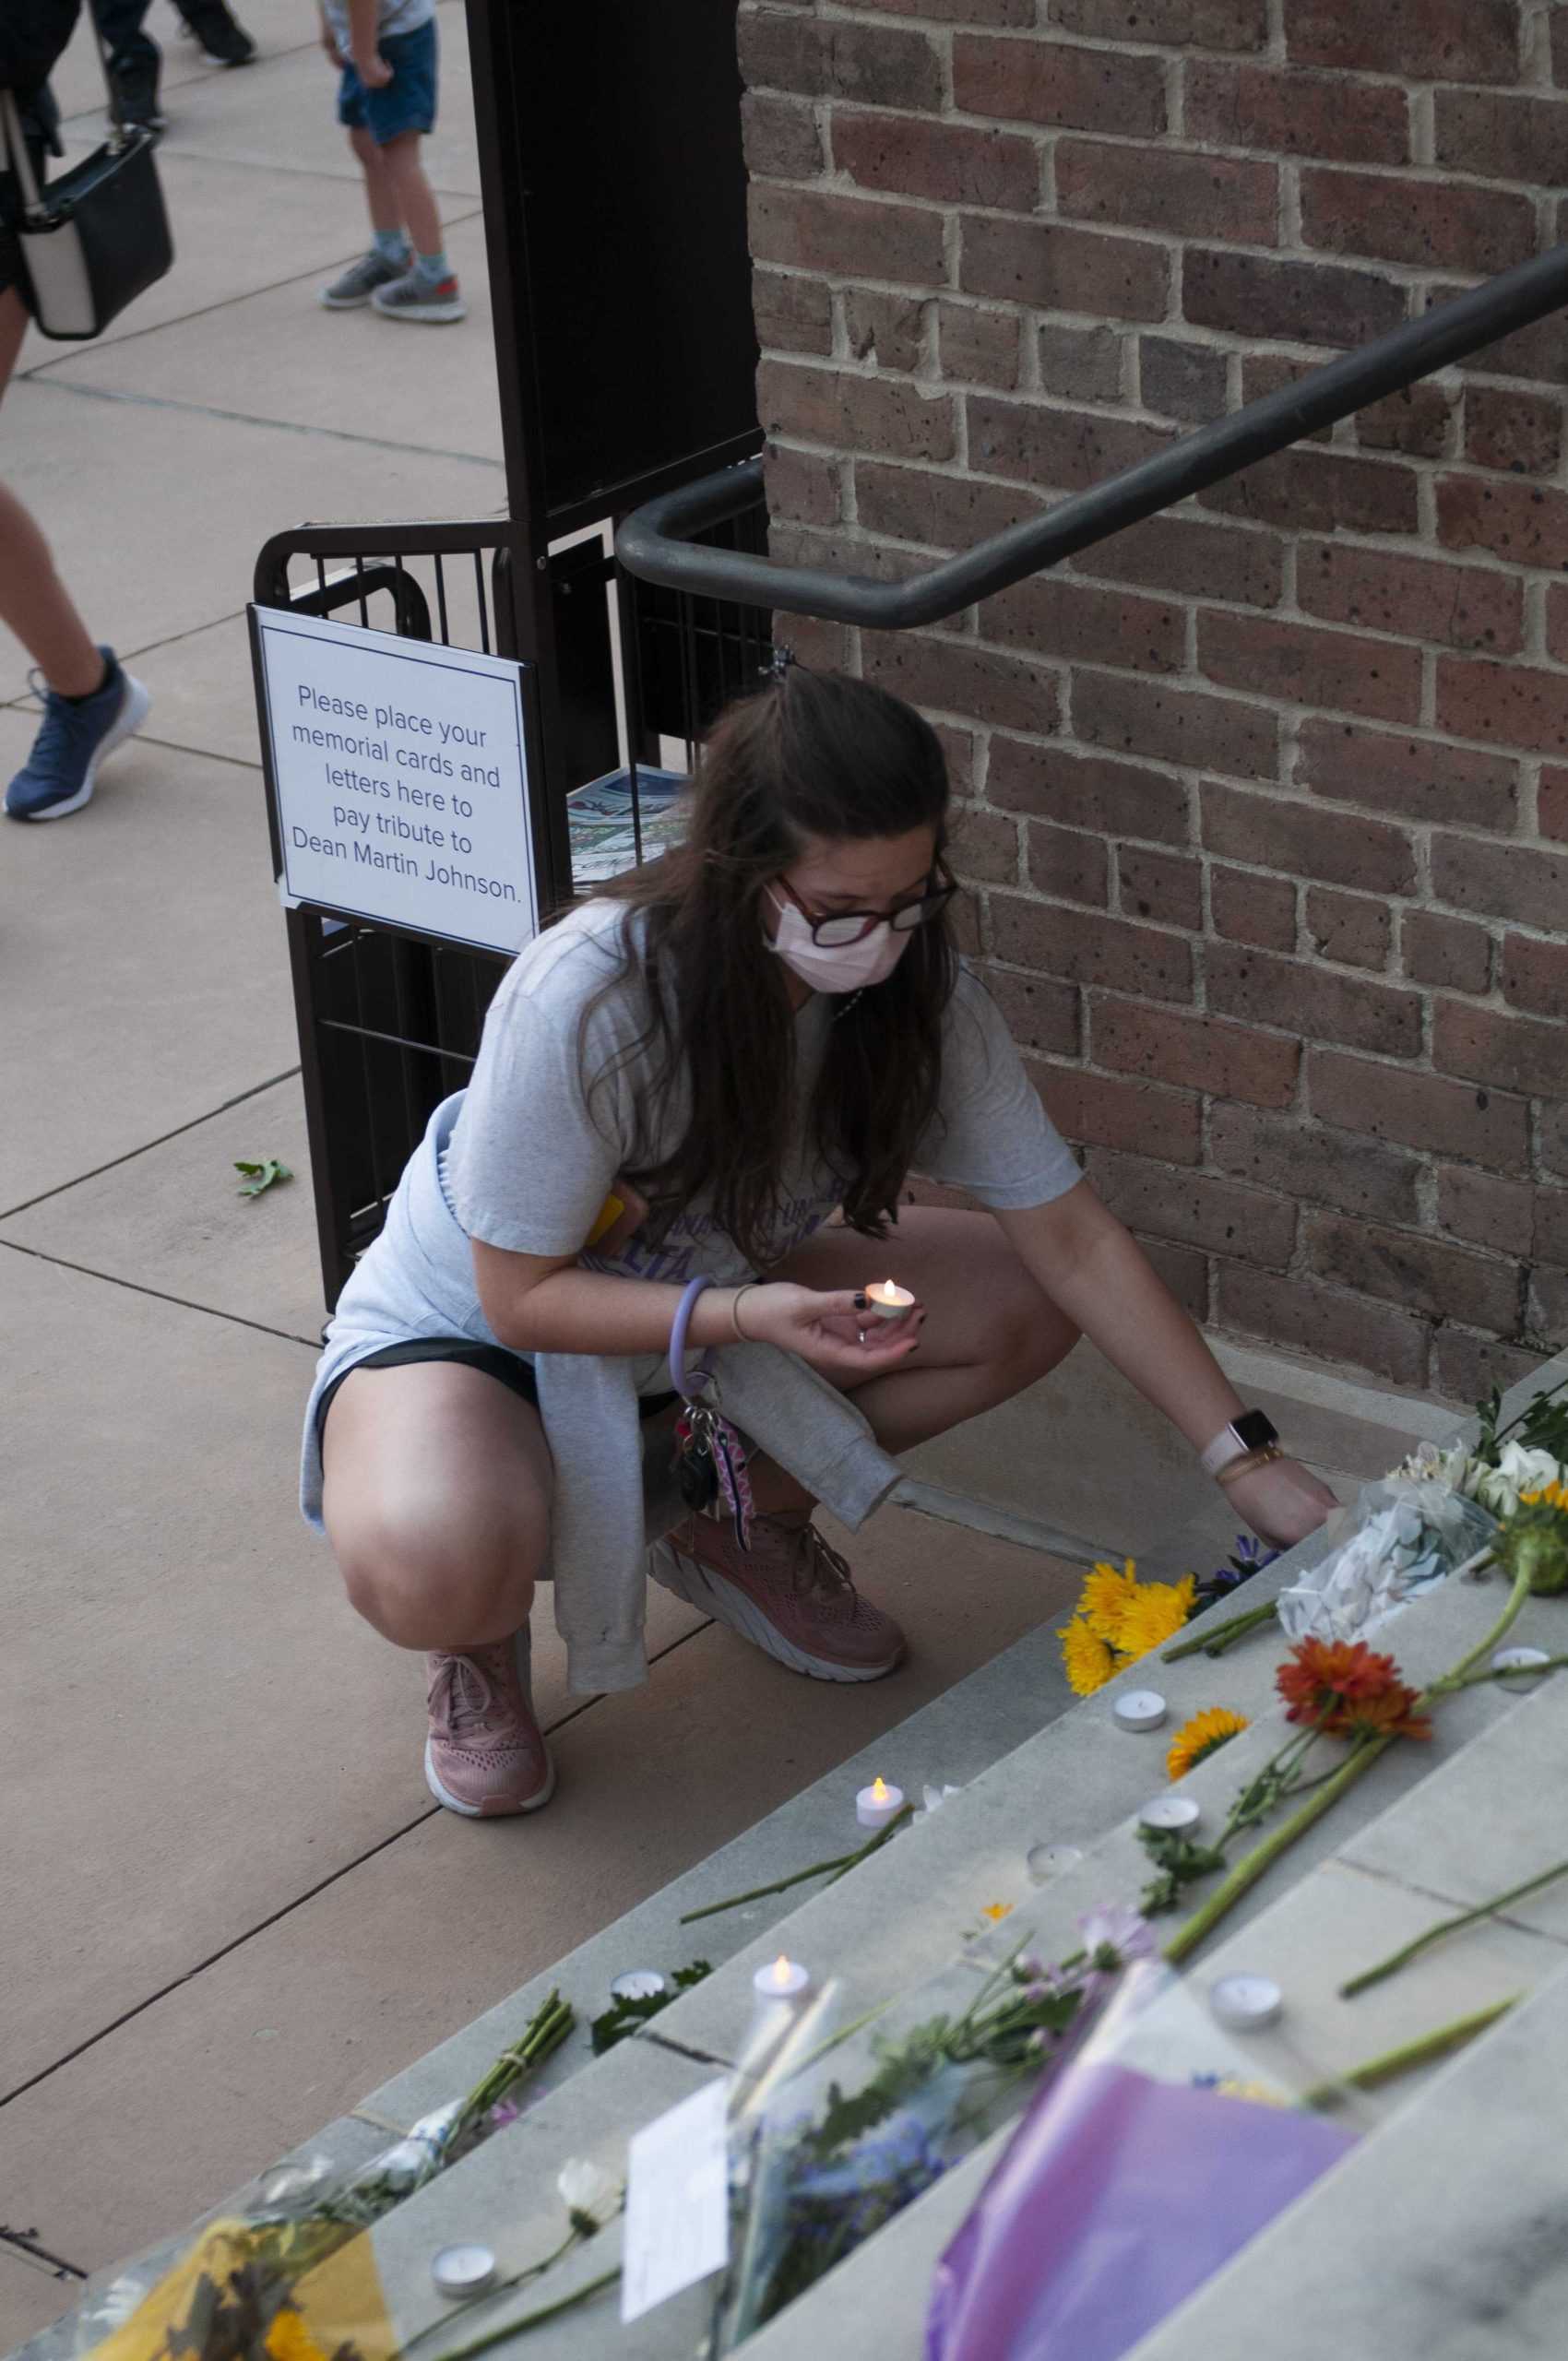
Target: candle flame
{"points": [[878, 1790], [782, 1968]]}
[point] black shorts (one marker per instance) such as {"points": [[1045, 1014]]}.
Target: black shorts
{"points": [[510, 1369]]}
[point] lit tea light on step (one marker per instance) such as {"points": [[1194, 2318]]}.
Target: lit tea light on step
{"points": [[1140, 1709], [1246, 2003], [888, 1301], [879, 1803], [466, 2270], [1172, 1812], [786, 1979]]}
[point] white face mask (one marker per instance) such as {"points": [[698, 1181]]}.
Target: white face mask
{"points": [[839, 967]]}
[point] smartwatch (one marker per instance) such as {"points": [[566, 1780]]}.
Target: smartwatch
{"points": [[1252, 1431]]}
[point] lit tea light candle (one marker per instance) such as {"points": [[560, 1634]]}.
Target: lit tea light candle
{"points": [[786, 1979], [1172, 1812], [879, 1803], [888, 1301]]}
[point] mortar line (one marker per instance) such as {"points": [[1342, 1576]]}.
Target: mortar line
{"points": [[1450, 1902], [286, 1909], [275, 425], [113, 1163], [203, 311]]}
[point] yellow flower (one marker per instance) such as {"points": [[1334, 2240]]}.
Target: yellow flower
{"points": [[1104, 1599], [288, 2339], [1155, 1612], [995, 1911], [1202, 1737], [1090, 1663]]}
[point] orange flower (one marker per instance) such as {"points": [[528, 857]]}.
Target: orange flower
{"points": [[1388, 1714], [1324, 1676]]}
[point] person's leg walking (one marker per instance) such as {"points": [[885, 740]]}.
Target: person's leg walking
{"points": [[134, 58], [89, 703], [390, 257], [436, 1501], [430, 291]]}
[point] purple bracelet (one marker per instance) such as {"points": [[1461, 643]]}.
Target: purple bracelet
{"points": [[678, 1328]]}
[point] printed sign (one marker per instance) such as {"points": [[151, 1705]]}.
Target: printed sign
{"points": [[401, 780]]}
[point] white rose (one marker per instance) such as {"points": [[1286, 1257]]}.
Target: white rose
{"points": [[1528, 1471], [588, 2190]]}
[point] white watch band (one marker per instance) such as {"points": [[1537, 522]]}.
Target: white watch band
{"points": [[1226, 1445]]}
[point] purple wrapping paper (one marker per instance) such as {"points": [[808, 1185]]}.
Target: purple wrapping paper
{"points": [[1117, 2196]]}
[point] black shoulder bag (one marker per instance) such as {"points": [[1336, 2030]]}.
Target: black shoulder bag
{"points": [[92, 241]]}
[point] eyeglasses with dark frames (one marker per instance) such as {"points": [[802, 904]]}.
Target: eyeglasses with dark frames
{"points": [[842, 927]]}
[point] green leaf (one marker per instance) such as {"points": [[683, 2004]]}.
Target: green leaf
{"points": [[265, 1175]]}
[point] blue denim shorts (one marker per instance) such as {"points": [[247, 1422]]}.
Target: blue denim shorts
{"points": [[406, 102]]}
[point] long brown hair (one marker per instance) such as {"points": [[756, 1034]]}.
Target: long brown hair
{"points": [[813, 754]]}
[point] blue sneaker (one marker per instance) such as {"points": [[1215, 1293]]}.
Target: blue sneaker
{"points": [[78, 733]]}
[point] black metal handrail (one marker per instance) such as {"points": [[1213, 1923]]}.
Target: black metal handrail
{"points": [[655, 541]]}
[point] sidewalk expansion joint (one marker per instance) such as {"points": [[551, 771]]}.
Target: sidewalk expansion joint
{"points": [[284, 1910], [273, 425], [113, 1163], [162, 1295], [41, 369], [27, 2242]]}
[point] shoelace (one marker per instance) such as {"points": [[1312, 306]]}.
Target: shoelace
{"points": [[61, 721], [818, 1571], [462, 1694]]}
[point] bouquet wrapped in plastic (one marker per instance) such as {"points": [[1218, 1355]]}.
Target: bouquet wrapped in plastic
{"points": [[1150, 2159], [1407, 1534]]}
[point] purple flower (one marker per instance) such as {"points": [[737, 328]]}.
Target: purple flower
{"points": [[1117, 1931]]}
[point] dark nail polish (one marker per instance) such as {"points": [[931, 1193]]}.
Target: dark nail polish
{"points": [[862, 1301]]}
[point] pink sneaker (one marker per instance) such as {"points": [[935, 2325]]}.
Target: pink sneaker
{"points": [[791, 1594], [485, 1754]]}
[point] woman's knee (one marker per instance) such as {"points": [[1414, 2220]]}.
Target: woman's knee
{"points": [[425, 1580]]}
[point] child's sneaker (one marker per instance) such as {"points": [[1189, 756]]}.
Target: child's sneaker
{"points": [[76, 733], [359, 283], [410, 297]]}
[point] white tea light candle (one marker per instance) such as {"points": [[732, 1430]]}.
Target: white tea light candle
{"points": [[1172, 1812], [1246, 2003], [785, 1979], [639, 1984], [1519, 1668], [1140, 1709], [466, 2270], [1044, 1862], [879, 1803], [889, 1302]]}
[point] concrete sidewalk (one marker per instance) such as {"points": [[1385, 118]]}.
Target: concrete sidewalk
{"points": [[232, 1909]]}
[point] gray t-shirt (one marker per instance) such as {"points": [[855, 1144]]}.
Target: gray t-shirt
{"points": [[534, 1151]]}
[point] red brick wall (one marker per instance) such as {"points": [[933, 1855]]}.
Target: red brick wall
{"points": [[1266, 800]]}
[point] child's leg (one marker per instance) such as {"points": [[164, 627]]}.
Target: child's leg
{"points": [[411, 194], [382, 195]]}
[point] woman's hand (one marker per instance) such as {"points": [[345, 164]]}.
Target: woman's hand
{"points": [[826, 1329], [1281, 1502]]}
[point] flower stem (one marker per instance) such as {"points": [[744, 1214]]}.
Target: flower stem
{"points": [[833, 1870], [1434, 1934], [531, 2319], [1420, 2052], [1363, 1755], [1223, 1636]]}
